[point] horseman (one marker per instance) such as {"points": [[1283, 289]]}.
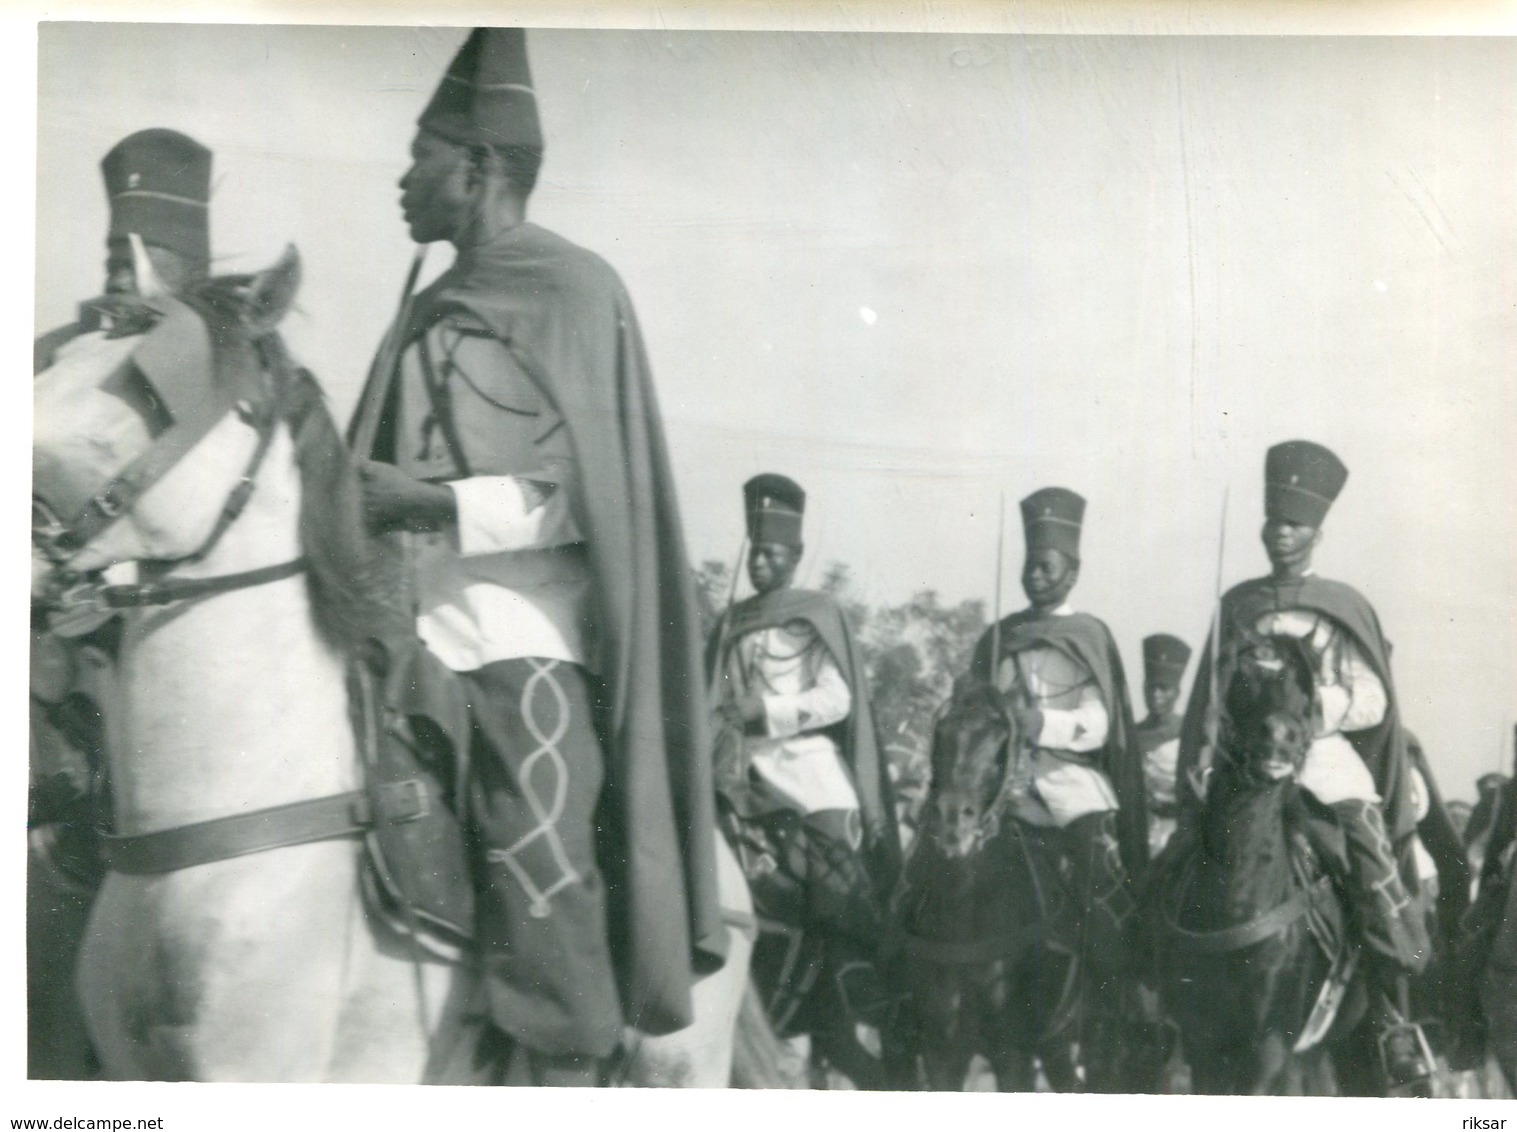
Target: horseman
{"points": [[510, 437], [1492, 792], [1158, 737], [1357, 762], [804, 789], [1070, 694], [157, 185], [1437, 850]]}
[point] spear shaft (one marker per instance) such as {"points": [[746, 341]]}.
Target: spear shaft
{"points": [[1214, 706], [995, 625]]}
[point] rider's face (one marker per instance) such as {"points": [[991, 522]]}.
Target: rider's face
{"points": [[771, 565], [437, 194], [1160, 698], [1048, 576], [1289, 545], [172, 269]]}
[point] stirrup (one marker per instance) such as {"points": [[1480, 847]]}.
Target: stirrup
{"points": [[1409, 1077]]}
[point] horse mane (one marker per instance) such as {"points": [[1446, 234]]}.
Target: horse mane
{"points": [[972, 699], [351, 599]]}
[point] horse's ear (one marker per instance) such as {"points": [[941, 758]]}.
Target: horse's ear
{"points": [[149, 284], [273, 291]]}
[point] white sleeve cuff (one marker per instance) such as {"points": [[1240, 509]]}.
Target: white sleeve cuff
{"points": [[493, 517], [1082, 728], [1334, 701], [781, 716]]}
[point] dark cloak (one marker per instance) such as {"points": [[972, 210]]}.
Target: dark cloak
{"points": [[1382, 747], [856, 738], [1444, 846], [568, 321], [1087, 641]]}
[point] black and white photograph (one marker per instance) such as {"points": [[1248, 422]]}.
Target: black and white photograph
{"points": [[592, 548]]}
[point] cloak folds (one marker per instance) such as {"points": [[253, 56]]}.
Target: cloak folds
{"points": [[856, 739], [1443, 845], [568, 321], [1087, 640], [1382, 747]]}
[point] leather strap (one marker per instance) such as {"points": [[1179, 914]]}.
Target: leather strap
{"points": [[1260, 928], [441, 399], [193, 420], [954, 952], [297, 823], [135, 596]]}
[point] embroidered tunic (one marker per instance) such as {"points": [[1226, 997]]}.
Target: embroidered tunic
{"points": [[792, 671], [512, 580], [1075, 723]]}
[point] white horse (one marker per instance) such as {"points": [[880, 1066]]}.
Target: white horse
{"points": [[264, 966]]}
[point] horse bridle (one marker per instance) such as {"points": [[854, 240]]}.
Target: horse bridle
{"points": [[988, 828], [207, 404]]}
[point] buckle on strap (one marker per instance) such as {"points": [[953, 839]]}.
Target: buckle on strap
{"points": [[112, 500], [79, 609], [403, 801]]}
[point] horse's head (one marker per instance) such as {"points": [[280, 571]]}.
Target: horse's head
{"points": [[1270, 706], [977, 762], [115, 404]]}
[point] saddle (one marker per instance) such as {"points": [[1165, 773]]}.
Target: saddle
{"points": [[412, 720]]}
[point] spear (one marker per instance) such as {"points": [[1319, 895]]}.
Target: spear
{"points": [[726, 618], [372, 400], [1214, 706], [995, 626]]}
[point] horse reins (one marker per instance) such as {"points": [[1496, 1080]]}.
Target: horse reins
{"points": [[1269, 923], [62, 541]]}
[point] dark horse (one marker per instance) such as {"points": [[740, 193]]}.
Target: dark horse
{"points": [[989, 967], [1250, 926]]}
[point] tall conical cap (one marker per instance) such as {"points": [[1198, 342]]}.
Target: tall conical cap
{"points": [[486, 98]]}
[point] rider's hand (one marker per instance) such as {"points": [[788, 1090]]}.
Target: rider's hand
{"points": [[741, 711], [751, 708], [393, 501], [1029, 719]]}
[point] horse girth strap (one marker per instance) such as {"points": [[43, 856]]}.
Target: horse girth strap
{"points": [[237, 835], [1260, 928]]}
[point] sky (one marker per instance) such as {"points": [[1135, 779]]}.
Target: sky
{"points": [[923, 273]]}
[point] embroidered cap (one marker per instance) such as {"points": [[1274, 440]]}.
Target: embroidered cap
{"points": [[1301, 480], [775, 505], [158, 183], [1164, 659], [1051, 518], [487, 99]]}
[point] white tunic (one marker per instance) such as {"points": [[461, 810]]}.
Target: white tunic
{"points": [[510, 580], [1160, 771], [794, 673], [1074, 722]]}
